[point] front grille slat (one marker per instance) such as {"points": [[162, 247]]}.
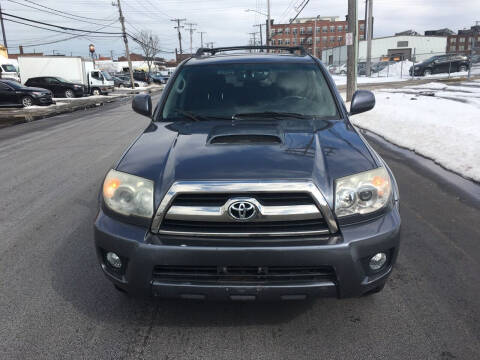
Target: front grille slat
{"points": [[243, 274]]}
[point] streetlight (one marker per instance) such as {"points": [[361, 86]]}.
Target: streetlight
{"points": [[91, 48], [267, 14]]}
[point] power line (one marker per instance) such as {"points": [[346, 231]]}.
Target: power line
{"points": [[51, 12], [299, 11], [63, 12], [60, 27]]}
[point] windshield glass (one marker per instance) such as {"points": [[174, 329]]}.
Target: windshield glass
{"points": [[106, 75], [9, 68], [224, 90]]}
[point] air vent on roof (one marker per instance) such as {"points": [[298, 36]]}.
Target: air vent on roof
{"points": [[246, 139]]}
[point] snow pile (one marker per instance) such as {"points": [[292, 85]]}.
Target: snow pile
{"points": [[396, 69], [444, 130]]}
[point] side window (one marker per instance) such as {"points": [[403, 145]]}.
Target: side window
{"points": [[96, 75], [51, 81]]}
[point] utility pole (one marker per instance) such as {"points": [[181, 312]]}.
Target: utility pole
{"points": [[369, 28], [315, 37], [366, 21], [191, 30], [352, 49], [3, 28], [261, 37], [209, 44], [178, 27], [201, 38], [254, 36], [125, 40], [268, 23]]}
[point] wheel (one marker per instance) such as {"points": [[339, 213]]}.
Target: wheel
{"points": [[343, 72], [69, 93], [427, 72], [462, 68], [120, 86], [96, 92], [27, 101]]}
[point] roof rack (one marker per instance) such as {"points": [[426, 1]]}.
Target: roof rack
{"points": [[213, 51]]}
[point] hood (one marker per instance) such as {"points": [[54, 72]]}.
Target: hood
{"points": [[222, 150]]}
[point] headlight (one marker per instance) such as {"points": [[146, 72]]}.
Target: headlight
{"points": [[362, 193], [38, 93], [417, 67], [77, 86], [128, 194]]}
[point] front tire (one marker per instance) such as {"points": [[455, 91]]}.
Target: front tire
{"points": [[462, 68], [69, 93], [427, 72], [96, 92], [27, 101], [120, 86]]}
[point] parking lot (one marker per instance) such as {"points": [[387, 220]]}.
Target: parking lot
{"points": [[56, 302]]}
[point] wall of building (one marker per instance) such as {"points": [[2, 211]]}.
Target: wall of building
{"points": [[424, 47]]}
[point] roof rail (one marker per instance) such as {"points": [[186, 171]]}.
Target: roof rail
{"points": [[213, 51]]}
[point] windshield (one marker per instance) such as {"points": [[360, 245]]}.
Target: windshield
{"points": [[228, 89], [9, 68], [107, 76]]}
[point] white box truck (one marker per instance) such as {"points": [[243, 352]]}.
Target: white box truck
{"points": [[71, 68]]}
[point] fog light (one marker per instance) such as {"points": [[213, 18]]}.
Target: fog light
{"points": [[114, 260], [377, 261]]}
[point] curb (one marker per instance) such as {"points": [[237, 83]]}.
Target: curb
{"points": [[9, 116]]}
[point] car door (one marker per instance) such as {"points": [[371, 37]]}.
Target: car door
{"points": [[441, 65], [8, 95], [54, 86]]}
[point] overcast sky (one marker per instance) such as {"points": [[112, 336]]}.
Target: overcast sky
{"points": [[225, 21]]}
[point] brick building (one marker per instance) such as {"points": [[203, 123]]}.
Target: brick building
{"points": [[463, 41], [329, 32]]}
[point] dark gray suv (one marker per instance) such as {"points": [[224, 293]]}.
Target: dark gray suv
{"points": [[250, 183]]}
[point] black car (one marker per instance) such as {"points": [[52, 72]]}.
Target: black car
{"points": [[58, 86], [159, 79], [14, 94], [142, 76], [249, 183], [441, 64]]}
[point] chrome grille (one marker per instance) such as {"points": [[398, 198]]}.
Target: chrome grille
{"points": [[283, 209]]}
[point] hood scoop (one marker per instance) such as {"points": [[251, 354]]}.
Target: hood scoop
{"points": [[247, 135]]}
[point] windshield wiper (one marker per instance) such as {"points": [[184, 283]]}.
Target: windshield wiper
{"points": [[270, 114], [189, 115]]}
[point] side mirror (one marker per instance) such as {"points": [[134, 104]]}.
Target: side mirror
{"points": [[142, 104], [362, 100]]}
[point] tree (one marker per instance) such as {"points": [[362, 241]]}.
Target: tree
{"points": [[150, 45]]}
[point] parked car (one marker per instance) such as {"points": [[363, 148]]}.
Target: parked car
{"points": [[159, 79], [142, 76], [13, 93], [58, 86], [250, 182], [9, 72], [126, 80], [441, 64]]}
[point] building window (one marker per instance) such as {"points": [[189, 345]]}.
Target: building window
{"points": [[332, 28], [324, 29], [294, 31], [287, 41], [280, 42], [453, 40], [272, 31], [287, 31], [402, 43], [461, 48], [302, 30], [332, 38], [309, 30], [302, 40], [294, 41], [339, 28], [324, 39], [318, 29], [273, 41], [362, 26], [453, 48], [339, 38], [462, 39], [309, 40], [317, 39]]}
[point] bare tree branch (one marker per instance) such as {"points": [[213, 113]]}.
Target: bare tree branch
{"points": [[150, 45]]}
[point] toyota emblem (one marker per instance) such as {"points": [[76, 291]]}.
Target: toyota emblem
{"points": [[242, 210]]}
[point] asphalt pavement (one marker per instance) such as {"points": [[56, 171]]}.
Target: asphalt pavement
{"points": [[56, 304]]}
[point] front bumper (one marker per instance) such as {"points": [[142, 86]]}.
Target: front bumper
{"points": [[348, 257]]}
